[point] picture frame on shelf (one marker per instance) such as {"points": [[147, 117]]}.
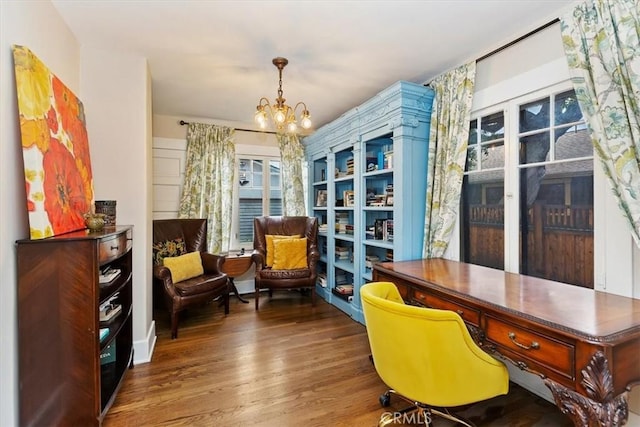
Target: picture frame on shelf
{"points": [[349, 198], [389, 200], [321, 198]]}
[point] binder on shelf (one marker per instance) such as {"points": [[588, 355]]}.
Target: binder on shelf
{"points": [[110, 313], [108, 275]]}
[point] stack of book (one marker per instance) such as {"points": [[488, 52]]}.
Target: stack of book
{"points": [[342, 220], [346, 289], [370, 259], [322, 279], [342, 253], [322, 228], [350, 169]]}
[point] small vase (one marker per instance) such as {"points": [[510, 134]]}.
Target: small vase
{"points": [[94, 222]]}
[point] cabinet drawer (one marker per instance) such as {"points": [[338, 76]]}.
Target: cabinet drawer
{"points": [[113, 247], [545, 350], [468, 314]]}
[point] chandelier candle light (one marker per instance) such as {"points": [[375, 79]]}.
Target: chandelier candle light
{"points": [[282, 114]]}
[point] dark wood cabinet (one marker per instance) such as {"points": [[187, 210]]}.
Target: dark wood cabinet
{"points": [[68, 374]]}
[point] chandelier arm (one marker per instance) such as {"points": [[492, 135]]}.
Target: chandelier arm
{"points": [[279, 112]]}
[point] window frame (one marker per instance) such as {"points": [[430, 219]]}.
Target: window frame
{"points": [[236, 243], [512, 168]]}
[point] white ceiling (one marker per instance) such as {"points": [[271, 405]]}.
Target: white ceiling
{"points": [[212, 59]]}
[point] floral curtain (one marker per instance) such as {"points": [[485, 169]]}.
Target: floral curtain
{"points": [[208, 183], [448, 141], [602, 44], [292, 157]]}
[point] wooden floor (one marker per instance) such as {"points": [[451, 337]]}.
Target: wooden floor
{"points": [[287, 365]]}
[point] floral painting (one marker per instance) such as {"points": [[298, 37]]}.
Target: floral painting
{"points": [[55, 148]]}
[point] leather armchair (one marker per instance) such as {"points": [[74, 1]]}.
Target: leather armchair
{"points": [[426, 356], [197, 290], [267, 277]]}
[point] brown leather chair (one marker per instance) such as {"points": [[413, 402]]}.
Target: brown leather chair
{"points": [[184, 236], [267, 277]]}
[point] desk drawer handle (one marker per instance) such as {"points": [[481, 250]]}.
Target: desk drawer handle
{"points": [[460, 312], [115, 248], [534, 344]]}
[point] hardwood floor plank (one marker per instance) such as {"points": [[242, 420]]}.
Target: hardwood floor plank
{"points": [[287, 365]]}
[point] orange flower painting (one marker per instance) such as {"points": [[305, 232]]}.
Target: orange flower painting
{"points": [[55, 149]]}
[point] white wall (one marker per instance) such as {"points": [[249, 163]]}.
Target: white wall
{"points": [[116, 92], [38, 26]]}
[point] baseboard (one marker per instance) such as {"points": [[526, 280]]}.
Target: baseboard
{"points": [[143, 349]]}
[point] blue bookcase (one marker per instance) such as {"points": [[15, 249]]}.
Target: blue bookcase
{"points": [[367, 176]]}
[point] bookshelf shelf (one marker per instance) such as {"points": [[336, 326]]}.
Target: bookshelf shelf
{"points": [[377, 154]]}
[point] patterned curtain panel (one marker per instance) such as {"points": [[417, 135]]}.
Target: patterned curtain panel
{"points": [[292, 157], [208, 182], [448, 141], [602, 43]]}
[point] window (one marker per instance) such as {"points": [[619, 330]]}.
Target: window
{"points": [[258, 193], [534, 153]]}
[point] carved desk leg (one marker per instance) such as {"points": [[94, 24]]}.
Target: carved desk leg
{"points": [[601, 408]]}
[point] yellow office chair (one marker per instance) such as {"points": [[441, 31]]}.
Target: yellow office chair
{"points": [[426, 357]]}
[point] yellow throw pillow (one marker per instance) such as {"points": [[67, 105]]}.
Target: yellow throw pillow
{"points": [[270, 238], [289, 254], [185, 266]]}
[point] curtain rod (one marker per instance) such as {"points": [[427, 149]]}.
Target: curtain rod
{"points": [[182, 123], [511, 43]]}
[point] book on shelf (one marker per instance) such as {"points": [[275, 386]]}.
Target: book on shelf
{"points": [[369, 260], [104, 332], [388, 230], [322, 279], [345, 289]]}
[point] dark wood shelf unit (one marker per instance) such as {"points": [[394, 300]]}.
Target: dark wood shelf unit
{"points": [[61, 378]]}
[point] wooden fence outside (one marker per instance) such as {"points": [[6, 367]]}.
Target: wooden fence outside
{"points": [[559, 241]]}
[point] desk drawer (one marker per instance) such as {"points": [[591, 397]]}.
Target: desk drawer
{"points": [[113, 247], [468, 314], [546, 351]]}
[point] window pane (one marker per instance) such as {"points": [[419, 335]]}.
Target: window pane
{"points": [[473, 132], [492, 155], [567, 109], [257, 173], [274, 167], [556, 222], [573, 142], [472, 158], [244, 174], [534, 148], [482, 227], [534, 116], [492, 126]]}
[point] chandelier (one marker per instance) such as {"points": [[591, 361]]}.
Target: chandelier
{"points": [[281, 114]]}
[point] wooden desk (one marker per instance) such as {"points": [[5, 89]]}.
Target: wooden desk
{"points": [[236, 265], [585, 344]]}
